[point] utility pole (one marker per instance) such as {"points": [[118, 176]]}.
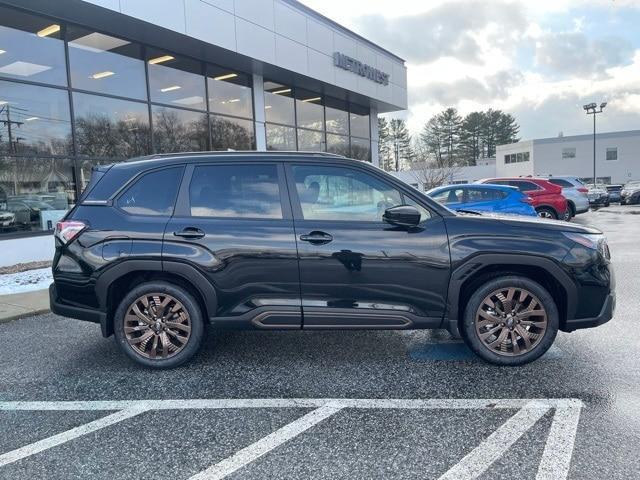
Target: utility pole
{"points": [[592, 109], [8, 123]]}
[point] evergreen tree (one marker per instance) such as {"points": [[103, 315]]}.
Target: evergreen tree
{"points": [[385, 149], [400, 143], [471, 138]]}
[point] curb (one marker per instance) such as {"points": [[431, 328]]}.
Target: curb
{"points": [[20, 316]]}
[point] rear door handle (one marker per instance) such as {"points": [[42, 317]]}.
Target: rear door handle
{"points": [[190, 232], [316, 237]]}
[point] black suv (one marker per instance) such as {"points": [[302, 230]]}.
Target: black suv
{"points": [[159, 247]]}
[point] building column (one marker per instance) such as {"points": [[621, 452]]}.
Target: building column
{"points": [[373, 128], [258, 112]]}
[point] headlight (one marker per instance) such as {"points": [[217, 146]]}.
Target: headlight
{"points": [[593, 241]]}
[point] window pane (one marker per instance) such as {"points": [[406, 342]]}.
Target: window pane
{"points": [[309, 110], [338, 144], [227, 132], [337, 116], [237, 191], [280, 138], [360, 149], [309, 140], [176, 130], [105, 64], [176, 81], [152, 194], [107, 127], [278, 103], [34, 120], [424, 213], [34, 192], [612, 153], [229, 92], [336, 193], [32, 48], [359, 121]]}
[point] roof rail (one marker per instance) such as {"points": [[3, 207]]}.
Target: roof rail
{"points": [[235, 153]]}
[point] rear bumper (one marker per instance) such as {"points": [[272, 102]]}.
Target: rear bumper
{"points": [[72, 311], [606, 314]]}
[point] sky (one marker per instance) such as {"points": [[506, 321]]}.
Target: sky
{"points": [[539, 60]]}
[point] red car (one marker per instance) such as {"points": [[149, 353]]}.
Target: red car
{"points": [[546, 197]]}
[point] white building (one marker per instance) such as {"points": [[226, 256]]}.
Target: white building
{"points": [[617, 157]]}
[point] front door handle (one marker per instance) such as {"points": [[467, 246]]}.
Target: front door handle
{"points": [[189, 232], [316, 237]]}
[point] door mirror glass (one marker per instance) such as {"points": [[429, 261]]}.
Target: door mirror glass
{"points": [[402, 216]]}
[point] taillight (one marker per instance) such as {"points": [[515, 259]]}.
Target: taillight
{"points": [[528, 200], [583, 190], [68, 230]]}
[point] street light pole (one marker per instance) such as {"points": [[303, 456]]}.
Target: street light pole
{"points": [[592, 109]]}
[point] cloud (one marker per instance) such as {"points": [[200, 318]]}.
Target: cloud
{"points": [[574, 54], [452, 29], [467, 88]]}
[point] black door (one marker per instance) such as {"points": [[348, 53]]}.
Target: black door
{"points": [[355, 270], [233, 222]]}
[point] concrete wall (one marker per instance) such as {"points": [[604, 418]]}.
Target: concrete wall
{"points": [[546, 157], [23, 250], [277, 32]]}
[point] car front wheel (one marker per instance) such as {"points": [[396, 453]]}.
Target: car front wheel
{"points": [[510, 320], [546, 212], [159, 325]]}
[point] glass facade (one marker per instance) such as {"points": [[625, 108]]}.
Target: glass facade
{"points": [[298, 119], [72, 98]]}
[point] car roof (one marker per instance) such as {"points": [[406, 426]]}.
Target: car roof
{"points": [[251, 155]]}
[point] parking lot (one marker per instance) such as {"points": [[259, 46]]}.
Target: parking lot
{"points": [[313, 404]]}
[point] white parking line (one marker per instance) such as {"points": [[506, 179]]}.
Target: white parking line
{"points": [[266, 444], [495, 445], [554, 465], [60, 438]]}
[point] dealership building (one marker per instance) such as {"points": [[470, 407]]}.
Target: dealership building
{"points": [[84, 83]]}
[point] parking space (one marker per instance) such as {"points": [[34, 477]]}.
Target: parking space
{"points": [[351, 405]]}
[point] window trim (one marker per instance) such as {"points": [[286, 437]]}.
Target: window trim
{"points": [[183, 202]]}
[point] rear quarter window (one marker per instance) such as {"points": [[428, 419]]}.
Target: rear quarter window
{"points": [[560, 182], [153, 193]]}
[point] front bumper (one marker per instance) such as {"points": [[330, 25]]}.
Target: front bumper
{"points": [[606, 314]]}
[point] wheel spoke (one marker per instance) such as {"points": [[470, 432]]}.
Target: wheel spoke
{"points": [[488, 333], [514, 342], [157, 326], [524, 335], [501, 338], [487, 316]]}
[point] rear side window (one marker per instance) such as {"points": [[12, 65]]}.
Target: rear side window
{"points": [[524, 186], [560, 182], [235, 191], [152, 194]]}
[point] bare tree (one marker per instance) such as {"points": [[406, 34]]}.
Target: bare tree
{"points": [[430, 169]]}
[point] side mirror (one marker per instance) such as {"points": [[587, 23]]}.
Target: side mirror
{"points": [[402, 216]]}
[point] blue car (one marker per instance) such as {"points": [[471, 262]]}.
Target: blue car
{"points": [[500, 199]]}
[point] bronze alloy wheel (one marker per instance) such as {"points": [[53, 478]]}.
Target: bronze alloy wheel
{"points": [[511, 321], [157, 326]]}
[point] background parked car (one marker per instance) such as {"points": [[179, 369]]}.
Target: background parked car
{"points": [[7, 220], [575, 192], [615, 193], [484, 198], [630, 194], [548, 200], [598, 195]]}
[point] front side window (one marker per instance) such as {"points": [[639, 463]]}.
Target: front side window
{"points": [[152, 194], [337, 193], [453, 195], [235, 191], [525, 186]]}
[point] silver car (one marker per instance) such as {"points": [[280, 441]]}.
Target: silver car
{"points": [[575, 192]]}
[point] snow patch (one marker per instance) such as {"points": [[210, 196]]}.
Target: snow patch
{"points": [[28, 281]]}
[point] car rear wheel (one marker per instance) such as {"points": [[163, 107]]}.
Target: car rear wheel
{"points": [[546, 212], [159, 325], [570, 213], [510, 320]]}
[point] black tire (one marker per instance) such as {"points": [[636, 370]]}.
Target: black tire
{"points": [[570, 213], [607, 204], [547, 212], [472, 338], [191, 307]]}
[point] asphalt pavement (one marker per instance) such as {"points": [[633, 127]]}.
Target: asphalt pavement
{"points": [[304, 404]]}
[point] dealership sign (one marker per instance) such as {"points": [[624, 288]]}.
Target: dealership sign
{"points": [[348, 63]]}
